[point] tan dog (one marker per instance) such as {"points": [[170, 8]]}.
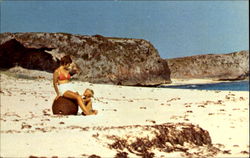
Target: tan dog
{"points": [[87, 95]]}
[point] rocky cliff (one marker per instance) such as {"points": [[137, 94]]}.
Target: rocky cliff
{"points": [[233, 66], [100, 59]]}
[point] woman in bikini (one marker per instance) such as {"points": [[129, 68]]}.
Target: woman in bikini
{"points": [[63, 87]]}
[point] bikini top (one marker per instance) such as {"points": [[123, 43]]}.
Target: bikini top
{"points": [[63, 77]]}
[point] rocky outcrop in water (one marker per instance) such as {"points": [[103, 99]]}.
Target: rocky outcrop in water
{"points": [[100, 59], [233, 66]]}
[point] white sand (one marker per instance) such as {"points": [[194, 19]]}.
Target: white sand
{"points": [[29, 128]]}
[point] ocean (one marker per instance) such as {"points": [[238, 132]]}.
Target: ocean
{"points": [[226, 86]]}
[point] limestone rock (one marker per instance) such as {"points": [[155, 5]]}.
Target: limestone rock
{"points": [[100, 59], [233, 66], [64, 106], [13, 53]]}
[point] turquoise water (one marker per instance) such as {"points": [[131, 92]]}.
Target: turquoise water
{"points": [[227, 86]]}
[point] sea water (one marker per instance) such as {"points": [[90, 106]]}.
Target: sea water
{"points": [[227, 86]]}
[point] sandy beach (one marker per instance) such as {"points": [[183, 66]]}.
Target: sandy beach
{"points": [[29, 129]]}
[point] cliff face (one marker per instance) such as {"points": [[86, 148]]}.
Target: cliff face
{"points": [[100, 59], [233, 66]]}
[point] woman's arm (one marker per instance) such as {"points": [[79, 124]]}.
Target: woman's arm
{"points": [[55, 82]]}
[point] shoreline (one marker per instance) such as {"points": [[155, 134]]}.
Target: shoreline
{"points": [[177, 82], [204, 84]]}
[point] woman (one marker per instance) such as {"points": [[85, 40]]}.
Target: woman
{"points": [[63, 87]]}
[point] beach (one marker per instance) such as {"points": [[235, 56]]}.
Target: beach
{"points": [[29, 128]]}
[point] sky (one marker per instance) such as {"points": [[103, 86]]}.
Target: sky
{"points": [[175, 28]]}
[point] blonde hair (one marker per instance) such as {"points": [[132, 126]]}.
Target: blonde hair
{"points": [[88, 89]]}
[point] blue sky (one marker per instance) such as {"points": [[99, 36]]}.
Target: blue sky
{"points": [[175, 28]]}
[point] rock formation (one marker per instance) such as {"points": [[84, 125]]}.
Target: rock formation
{"points": [[233, 66], [13, 53], [64, 106], [100, 59]]}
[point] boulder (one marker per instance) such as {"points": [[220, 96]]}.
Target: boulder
{"points": [[65, 106]]}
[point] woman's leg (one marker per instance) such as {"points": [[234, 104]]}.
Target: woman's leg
{"points": [[73, 95]]}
